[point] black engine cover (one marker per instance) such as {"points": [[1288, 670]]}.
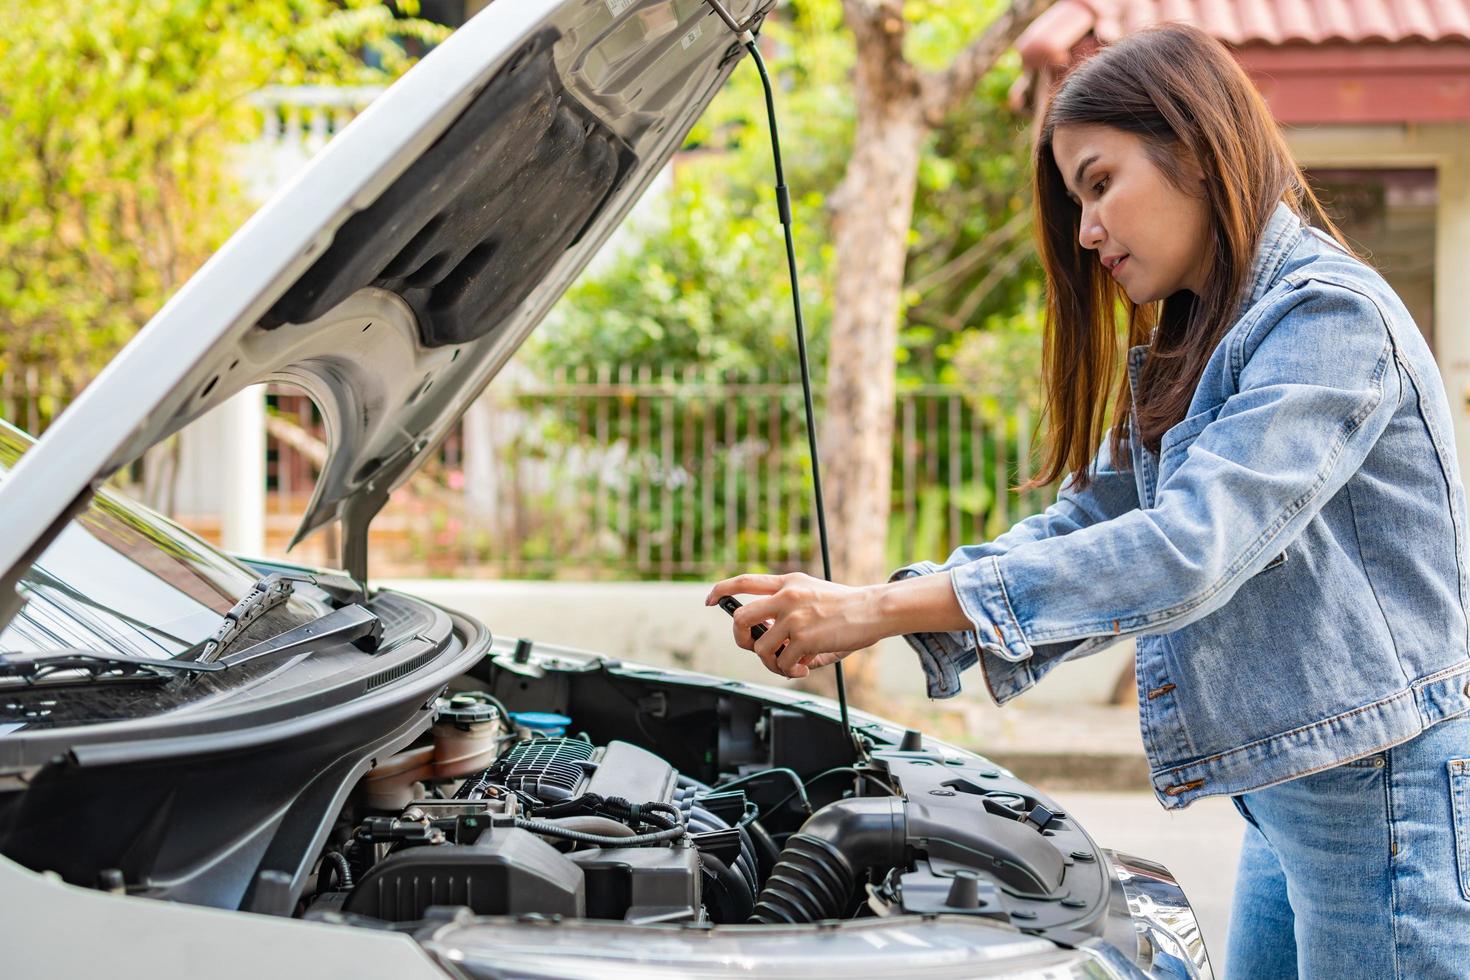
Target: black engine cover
{"points": [[511, 872]]}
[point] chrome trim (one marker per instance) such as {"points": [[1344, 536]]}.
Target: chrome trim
{"points": [[1150, 918]]}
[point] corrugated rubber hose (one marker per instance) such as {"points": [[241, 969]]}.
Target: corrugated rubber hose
{"points": [[821, 863]]}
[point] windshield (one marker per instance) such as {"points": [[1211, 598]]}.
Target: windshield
{"points": [[123, 579]]}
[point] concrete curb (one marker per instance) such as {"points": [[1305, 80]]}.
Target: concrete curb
{"points": [[1091, 772]]}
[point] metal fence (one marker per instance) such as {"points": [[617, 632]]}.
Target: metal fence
{"points": [[629, 472], [30, 398]]}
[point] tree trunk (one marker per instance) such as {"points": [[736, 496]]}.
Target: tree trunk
{"points": [[871, 212], [870, 231]]}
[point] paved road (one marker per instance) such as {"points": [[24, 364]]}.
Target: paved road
{"points": [[1199, 844]]}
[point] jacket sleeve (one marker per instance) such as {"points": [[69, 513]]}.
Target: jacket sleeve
{"points": [[1315, 387], [943, 655]]}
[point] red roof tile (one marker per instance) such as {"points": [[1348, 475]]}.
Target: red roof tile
{"points": [[1247, 22]]}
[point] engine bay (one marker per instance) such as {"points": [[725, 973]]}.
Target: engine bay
{"points": [[560, 788]]}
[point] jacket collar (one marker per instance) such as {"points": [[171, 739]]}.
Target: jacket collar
{"points": [[1283, 231]]}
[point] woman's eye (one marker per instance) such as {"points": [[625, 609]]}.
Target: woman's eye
{"points": [[1097, 188]]}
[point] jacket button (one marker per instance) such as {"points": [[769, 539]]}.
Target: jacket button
{"points": [[1467, 690]]}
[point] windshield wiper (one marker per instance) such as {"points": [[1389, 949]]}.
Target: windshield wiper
{"points": [[56, 667], [357, 625], [352, 623], [268, 593]]}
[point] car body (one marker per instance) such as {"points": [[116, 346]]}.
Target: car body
{"points": [[243, 766]]}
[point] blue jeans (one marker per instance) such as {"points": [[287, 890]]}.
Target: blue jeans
{"points": [[1362, 870]]}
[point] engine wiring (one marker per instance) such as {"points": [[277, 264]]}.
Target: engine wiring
{"points": [[777, 771], [338, 861], [857, 773]]}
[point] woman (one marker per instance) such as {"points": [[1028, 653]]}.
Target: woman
{"points": [[1272, 506]]}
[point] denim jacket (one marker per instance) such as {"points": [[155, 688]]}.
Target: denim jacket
{"points": [[1292, 561]]}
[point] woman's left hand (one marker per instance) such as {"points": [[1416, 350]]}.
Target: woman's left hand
{"points": [[818, 622]]}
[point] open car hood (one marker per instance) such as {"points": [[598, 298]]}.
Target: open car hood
{"points": [[403, 266]]}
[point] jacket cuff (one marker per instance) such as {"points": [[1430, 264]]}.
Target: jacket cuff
{"points": [[1005, 679], [982, 596], [943, 655]]}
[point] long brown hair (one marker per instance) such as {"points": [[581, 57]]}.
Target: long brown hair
{"points": [[1179, 90]]}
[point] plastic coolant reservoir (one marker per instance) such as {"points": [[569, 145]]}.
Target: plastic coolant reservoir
{"points": [[467, 734], [541, 722]]}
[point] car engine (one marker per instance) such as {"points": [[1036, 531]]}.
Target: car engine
{"points": [[555, 827], [501, 818]]}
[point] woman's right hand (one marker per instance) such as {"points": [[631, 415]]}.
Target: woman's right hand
{"points": [[809, 622]]}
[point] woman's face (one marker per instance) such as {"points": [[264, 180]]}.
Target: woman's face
{"points": [[1148, 234]]}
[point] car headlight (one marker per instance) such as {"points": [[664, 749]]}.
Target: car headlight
{"points": [[1150, 919], [906, 946]]}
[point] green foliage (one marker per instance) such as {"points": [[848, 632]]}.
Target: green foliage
{"points": [[706, 288], [702, 283], [118, 122], [971, 261], [990, 362], [937, 30], [705, 283]]}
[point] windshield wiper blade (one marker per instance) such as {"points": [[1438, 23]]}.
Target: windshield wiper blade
{"points": [[54, 667], [268, 593]]}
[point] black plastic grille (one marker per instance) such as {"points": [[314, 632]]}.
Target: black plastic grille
{"points": [[399, 670], [398, 615], [548, 769]]}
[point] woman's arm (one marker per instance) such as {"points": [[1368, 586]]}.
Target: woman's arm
{"points": [[945, 652], [1316, 387], [926, 611], [851, 616]]}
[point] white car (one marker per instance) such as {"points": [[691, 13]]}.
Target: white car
{"points": [[213, 765]]}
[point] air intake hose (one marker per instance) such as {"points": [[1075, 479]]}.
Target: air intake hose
{"points": [[821, 862]]}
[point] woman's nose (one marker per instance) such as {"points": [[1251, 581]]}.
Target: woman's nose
{"points": [[1091, 234]]}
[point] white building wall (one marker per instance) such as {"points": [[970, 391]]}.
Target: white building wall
{"points": [[1445, 147]]}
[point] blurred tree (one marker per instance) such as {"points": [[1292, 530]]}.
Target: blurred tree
{"points": [[971, 257], [118, 125], [699, 281], [702, 287]]}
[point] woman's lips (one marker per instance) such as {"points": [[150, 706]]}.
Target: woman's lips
{"points": [[1118, 265]]}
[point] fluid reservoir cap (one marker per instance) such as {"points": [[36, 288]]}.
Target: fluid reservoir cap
{"points": [[467, 708], [541, 722]]}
